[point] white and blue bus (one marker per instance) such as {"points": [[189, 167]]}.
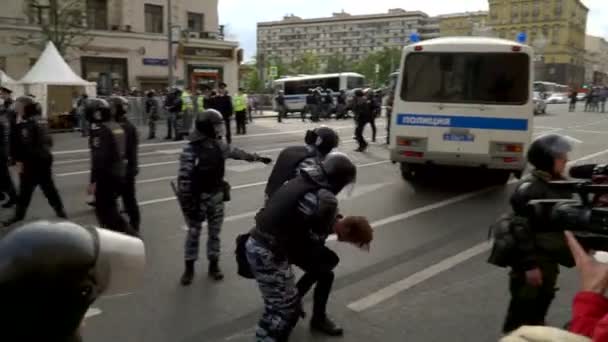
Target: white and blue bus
{"points": [[296, 89], [463, 101]]}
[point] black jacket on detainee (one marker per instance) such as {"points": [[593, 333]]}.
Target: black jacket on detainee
{"points": [[534, 187]]}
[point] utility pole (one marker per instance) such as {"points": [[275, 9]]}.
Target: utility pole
{"points": [[170, 44]]}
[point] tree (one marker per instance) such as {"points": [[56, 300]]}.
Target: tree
{"points": [[337, 63], [387, 60], [307, 63], [60, 21]]}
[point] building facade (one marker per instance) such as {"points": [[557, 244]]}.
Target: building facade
{"points": [[353, 36], [596, 60], [463, 24], [555, 28], [127, 45]]}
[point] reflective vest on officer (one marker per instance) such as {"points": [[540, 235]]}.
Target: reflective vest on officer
{"points": [[239, 102], [187, 104], [200, 103]]}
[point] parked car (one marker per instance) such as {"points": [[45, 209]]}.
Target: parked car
{"points": [[557, 98], [581, 96], [540, 105]]}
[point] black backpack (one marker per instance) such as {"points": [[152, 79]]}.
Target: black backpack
{"points": [[503, 233]]}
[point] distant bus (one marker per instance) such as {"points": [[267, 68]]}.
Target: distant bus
{"points": [[550, 88], [392, 80], [296, 88], [466, 102]]}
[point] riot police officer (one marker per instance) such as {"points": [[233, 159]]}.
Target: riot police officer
{"points": [[52, 272], [173, 105], [153, 113], [202, 189], [292, 229], [7, 118], [119, 107], [319, 142], [363, 109], [32, 154], [108, 165], [534, 271], [390, 101]]}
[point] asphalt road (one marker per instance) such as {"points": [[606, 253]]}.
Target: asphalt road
{"points": [[425, 278]]}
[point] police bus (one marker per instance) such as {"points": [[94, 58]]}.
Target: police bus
{"points": [[463, 101], [296, 88]]}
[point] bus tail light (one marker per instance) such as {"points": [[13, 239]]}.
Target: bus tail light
{"points": [[510, 160], [410, 142], [516, 49], [413, 154], [510, 148], [418, 48]]}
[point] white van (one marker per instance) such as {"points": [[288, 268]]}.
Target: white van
{"points": [[463, 101]]}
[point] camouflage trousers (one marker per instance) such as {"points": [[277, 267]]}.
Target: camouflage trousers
{"points": [[281, 301], [212, 211]]}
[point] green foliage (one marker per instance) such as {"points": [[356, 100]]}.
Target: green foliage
{"points": [[387, 59], [60, 21], [338, 63], [307, 63]]}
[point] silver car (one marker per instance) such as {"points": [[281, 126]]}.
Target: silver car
{"points": [[540, 105]]}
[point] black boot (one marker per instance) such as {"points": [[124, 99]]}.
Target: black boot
{"points": [[326, 326], [188, 273], [61, 213], [214, 270]]}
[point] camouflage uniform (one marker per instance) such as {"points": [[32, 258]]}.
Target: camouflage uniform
{"points": [[208, 206]]}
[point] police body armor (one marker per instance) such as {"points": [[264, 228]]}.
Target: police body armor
{"points": [[284, 168], [119, 169], [210, 167], [277, 223]]}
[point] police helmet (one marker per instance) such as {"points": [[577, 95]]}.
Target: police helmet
{"points": [[52, 271], [324, 139], [97, 110], [151, 93], [119, 107], [339, 170], [210, 124], [30, 106], [546, 149], [359, 93]]}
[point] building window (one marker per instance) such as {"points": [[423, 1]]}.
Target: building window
{"points": [[195, 22], [555, 35], [558, 8], [536, 8], [154, 18], [97, 14]]}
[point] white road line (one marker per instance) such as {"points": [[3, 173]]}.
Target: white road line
{"points": [[417, 278], [592, 132], [244, 186], [171, 162], [395, 288], [235, 137]]}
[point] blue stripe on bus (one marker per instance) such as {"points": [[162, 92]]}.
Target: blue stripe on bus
{"points": [[430, 120]]}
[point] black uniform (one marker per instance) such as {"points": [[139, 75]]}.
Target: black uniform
{"points": [[363, 109], [389, 114], [173, 104], [7, 118], [281, 109], [223, 104], [108, 173], [529, 305], [127, 194], [32, 148], [153, 115]]}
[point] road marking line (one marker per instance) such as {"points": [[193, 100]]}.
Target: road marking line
{"points": [[244, 186], [417, 278], [91, 312], [235, 137], [444, 265]]}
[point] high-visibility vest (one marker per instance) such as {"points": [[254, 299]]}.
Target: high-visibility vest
{"points": [[239, 102], [187, 104], [200, 103]]}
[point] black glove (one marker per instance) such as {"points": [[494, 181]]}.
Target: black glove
{"points": [[265, 160]]}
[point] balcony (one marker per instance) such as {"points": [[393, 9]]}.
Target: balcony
{"points": [[219, 35]]}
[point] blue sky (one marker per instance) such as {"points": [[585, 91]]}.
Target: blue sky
{"points": [[241, 16]]}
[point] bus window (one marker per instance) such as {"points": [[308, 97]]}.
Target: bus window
{"points": [[481, 78], [355, 82]]}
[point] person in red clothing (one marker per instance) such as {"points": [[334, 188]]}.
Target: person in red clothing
{"points": [[590, 307]]}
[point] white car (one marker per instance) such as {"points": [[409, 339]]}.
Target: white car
{"points": [[557, 98], [581, 96]]}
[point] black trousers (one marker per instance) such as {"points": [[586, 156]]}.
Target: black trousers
{"points": [[32, 177], [359, 133], [106, 206], [372, 122], [318, 265], [228, 131], [129, 203], [529, 305], [6, 183], [388, 127], [171, 117], [241, 122]]}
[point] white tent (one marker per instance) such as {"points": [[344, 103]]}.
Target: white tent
{"points": [[8, 82], [54, 83]]}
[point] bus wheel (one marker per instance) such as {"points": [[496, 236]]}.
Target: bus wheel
{"points": [[410, 172]]}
